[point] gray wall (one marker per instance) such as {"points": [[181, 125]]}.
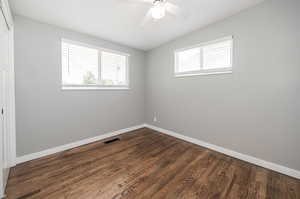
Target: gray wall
{"points": [[255, 110], [46, 116]]}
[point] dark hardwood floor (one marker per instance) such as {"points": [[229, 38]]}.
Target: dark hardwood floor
{"points": [[146, 164]]}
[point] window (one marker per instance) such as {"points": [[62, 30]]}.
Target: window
{"points": [[86, 67], [210, 58]]}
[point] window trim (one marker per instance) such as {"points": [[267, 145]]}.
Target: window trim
{"points": [[215, 71], [96, 86]]}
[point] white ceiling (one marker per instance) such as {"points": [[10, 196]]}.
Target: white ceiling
{"points": [[120, 20]]}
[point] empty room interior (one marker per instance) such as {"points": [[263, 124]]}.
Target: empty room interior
{"points": [[149, 99]]}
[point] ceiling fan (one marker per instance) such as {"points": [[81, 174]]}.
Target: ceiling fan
{"points": [[158, 9]]}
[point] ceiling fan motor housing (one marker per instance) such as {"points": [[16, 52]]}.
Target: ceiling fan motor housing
{"points": [[158, 10], [158, 1]]}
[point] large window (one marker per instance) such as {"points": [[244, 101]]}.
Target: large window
{"points": [[86, 67], [209, 58]]}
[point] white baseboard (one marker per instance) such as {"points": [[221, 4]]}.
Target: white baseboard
{"points": [[40, 154], [247, 158]]}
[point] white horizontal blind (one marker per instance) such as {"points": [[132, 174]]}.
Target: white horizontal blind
{"points": [[189, 60], [212, 57], [83, 65], [217, 55], [65, 62], [113, 69], [80, 65]]}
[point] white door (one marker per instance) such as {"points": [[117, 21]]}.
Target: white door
{"points": [[4, 63], [2, 142]]}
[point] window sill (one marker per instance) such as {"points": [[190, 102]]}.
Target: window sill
{"points": [[83, 88], [202, 73]]}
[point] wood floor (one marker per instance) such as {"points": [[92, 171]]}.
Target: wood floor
{"points": [[146, 164]]}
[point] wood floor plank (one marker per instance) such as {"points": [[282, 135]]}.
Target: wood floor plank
{"points": [[146, 164], [110, 165], [99, 148], [69, 169], [199, 186], [129, 167], [167, 171], [125, 182]]}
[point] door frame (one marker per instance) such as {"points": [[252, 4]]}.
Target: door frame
{"points": [[9, 104], [9, 101], [10, 122], [2, 132]]}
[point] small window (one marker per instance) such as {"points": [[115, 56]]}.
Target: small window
{"points": [[210, 58], [86, 67]]}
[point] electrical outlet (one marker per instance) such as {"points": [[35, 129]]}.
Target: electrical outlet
{"points": [[154, 117]]}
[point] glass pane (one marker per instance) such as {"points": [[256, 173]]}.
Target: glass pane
{"points": [[80, 64], [113, 69], [189, 60], [65, 62], [217, 55]]}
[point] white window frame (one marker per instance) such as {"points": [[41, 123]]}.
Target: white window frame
{"points": [[202, 71], [96, 86]]}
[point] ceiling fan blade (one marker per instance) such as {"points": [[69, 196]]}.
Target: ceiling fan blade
{"points": [[175, 1], [176, 11], [149, 2], [147, 18], [173, 9]]}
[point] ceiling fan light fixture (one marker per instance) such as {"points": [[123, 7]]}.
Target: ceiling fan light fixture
{"points": [[158, 11]]}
